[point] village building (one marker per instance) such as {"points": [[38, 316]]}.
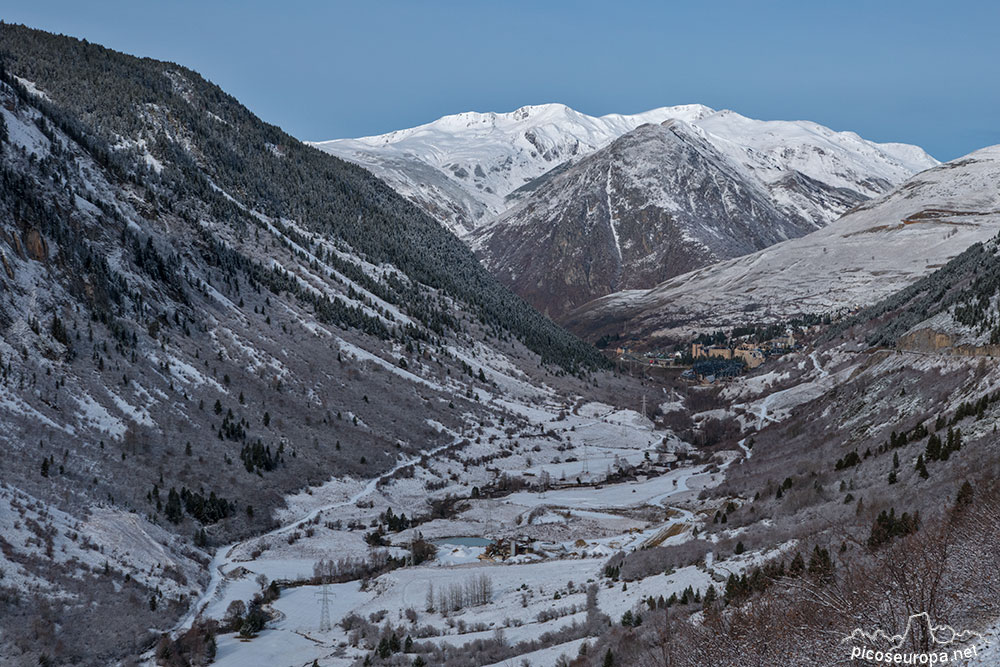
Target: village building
{"points": [[751, 355]]}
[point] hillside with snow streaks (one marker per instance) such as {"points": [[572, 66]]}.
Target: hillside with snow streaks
{"points": [[198, 317], [868, 254], [619, 219], [565, 208]]}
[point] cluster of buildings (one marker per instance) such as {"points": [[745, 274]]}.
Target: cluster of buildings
{"points": [[711, 362], [715, 362], [749, 353], [752, 354]]}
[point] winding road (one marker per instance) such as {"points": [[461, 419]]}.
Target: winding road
{"points": [[224, 555]]}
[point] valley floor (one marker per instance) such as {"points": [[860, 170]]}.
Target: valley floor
{"points": [[576, 514], [564, 536]]}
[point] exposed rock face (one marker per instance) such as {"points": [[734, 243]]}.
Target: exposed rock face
{"points": [[35, 245], [8, 269]]}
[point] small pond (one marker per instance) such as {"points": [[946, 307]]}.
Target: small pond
{"points": [[462, 541]]}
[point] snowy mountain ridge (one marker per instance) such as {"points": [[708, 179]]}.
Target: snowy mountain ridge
{"points": [[880, 247], [463, 168]]}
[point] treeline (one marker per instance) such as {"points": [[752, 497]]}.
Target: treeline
{"points": [[205, 509]]}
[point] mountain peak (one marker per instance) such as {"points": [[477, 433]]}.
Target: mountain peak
{"points": [[536, 110], [462, 167]]}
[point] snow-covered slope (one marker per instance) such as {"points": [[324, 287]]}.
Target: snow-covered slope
{"points": [[462, 168], [777, 152], [188, 332], [871, 252]]}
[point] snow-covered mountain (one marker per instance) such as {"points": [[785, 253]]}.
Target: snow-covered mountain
{"points": [[811, 170], [566, 208], [463, 168], [618, 219], [877, 249]]}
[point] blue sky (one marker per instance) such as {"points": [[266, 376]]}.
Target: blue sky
{"points": [[918, 72]]}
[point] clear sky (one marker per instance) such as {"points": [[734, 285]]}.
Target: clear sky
{"points": [[915, 71]]}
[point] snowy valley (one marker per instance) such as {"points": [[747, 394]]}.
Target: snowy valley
{"points": [[261, 406]]}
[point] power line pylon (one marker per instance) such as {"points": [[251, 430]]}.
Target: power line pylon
{"points": [[325, 625]]}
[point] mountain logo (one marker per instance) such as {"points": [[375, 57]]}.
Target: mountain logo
{"points": [[944, 643]]}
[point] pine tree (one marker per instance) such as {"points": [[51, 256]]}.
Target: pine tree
{"points": [[949, 445], [820, 564], [965, 495], [609, 659], [798, 565], [922, 467], [173, 510], [933, 449]]}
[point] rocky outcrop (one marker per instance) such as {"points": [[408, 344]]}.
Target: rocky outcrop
{"points": [[35, 245], [929, 341], [8, 269]]}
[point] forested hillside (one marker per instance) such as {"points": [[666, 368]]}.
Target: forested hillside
{"points": [[199, 141], [198, 316]]}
